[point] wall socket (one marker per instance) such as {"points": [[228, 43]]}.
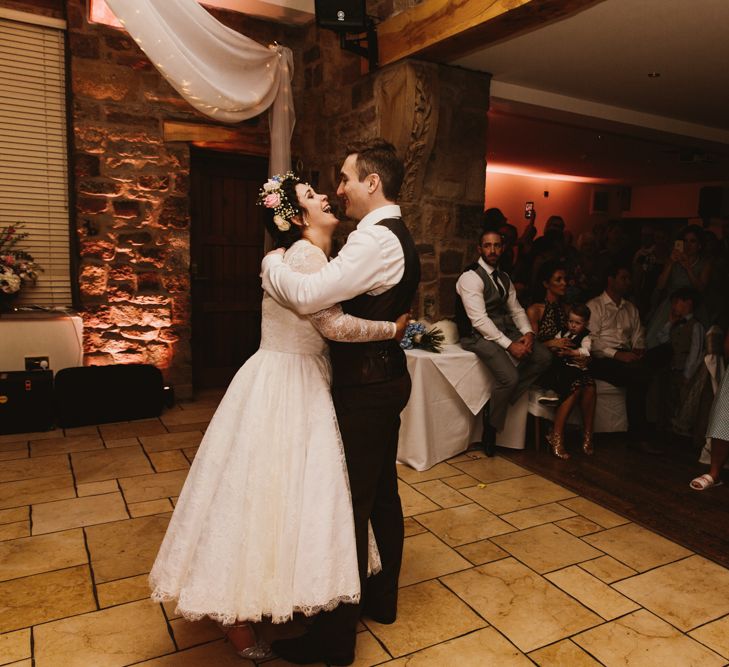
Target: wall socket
{"points": [[36, 364]]}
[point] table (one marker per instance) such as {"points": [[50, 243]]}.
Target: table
{"points": [[443, 415]]}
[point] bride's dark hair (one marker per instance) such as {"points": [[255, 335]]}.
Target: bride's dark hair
{"points": [[285, 239]]}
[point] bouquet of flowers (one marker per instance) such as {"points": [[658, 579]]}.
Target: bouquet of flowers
{"points": [[16, 266], [416, 336]]}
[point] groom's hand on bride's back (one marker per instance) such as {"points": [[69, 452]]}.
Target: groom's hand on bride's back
{"points": [[401, 324]]}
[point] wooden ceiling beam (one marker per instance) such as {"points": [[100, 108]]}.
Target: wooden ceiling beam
{"points": [[444, 30]]}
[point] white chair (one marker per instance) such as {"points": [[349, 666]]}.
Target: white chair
{"points": [[610, 412]]}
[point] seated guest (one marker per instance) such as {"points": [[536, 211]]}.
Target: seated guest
{"points": [[618, 350], [684, 336], [564, 333], [493, 324]]}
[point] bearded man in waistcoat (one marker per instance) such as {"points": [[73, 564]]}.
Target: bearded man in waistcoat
{"points": [[374, 276], [493, 324]]}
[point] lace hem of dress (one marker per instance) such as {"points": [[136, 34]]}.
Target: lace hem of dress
{"points": [[230, 619]]}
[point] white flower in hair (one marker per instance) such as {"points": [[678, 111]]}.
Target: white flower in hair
{"points": [[282, 224], [270, 185]]}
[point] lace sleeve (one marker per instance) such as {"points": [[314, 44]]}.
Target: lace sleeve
{"points": [[333, 323]]}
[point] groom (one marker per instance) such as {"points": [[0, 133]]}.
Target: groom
{"points": [[374, 277]]}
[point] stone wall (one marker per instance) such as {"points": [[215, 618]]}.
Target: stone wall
{"points": [[132, 196]]}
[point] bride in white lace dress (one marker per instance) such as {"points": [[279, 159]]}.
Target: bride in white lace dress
{"points": [[263, 527]]}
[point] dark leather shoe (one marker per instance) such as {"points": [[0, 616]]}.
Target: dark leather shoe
{"points": [[385, 617], [488, 440], [307, 649]]}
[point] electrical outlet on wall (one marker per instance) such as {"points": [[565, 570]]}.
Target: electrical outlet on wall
{"points": [[36, 364]]}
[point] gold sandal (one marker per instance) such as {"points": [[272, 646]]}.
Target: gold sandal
{"points": [[556, 444], [587, 444]]}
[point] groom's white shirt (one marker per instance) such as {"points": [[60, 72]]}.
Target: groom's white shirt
{"points": [[371, 261]]}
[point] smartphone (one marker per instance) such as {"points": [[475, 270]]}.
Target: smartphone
{"points": [[678, 245], [529, 210]]}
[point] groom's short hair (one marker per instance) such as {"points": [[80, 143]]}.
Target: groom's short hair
{"points": [[377, 156]]}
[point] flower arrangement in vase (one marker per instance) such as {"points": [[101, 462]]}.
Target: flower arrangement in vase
{"points": [[17, 267]]}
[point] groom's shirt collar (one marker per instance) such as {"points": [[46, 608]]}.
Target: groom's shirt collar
{"points": [[382, 213]]}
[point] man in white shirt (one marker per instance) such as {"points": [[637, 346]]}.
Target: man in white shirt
{"points": [[493, 324], [618, 350], [375, 276]]}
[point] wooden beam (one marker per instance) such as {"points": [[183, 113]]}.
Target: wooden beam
{"points": [[444, 30], [241, 138]]}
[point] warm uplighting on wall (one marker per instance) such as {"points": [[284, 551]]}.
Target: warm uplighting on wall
{"points": [[99, 12], [519, 170]]}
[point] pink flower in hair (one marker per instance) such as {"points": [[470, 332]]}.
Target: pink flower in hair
{"points": [[272, 200]]}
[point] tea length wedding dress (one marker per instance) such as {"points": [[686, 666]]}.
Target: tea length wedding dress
{"points": [[263, 526]]}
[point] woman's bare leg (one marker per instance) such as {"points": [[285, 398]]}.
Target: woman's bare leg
{"points": [[556, 437], [588, 399]]}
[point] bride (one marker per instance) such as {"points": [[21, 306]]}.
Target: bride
{"points": [[263, 527]]}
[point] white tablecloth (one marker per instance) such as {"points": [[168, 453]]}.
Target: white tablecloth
{"points": [[443, 415]]}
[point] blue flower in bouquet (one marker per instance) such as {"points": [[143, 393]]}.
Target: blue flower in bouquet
{"points": [[417, 336]]}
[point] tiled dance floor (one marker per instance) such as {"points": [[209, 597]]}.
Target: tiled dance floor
{"points": [[501, 566]]}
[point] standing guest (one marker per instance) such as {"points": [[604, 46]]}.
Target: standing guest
{"points": [[686, 267], [618, 348], [564, 333], [493, 324]]}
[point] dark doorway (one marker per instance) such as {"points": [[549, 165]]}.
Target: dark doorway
{"points": [[226, 251]]}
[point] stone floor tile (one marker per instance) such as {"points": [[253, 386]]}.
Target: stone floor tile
{"points": [[33, 555], [189, 633], [412, 527], [517, 494], [535, 516], [25, 437], [167, 441], [594, 512], [81, 430], [525, 607], [414, 503], [473, 453], [546, 548], [477, 649], [111, 637], [14, 446], [637, 547], [491, 469], [77, 512], [21, 663], [193, 416], [461, 525], [644, 639], [181, 428], [148, 507], [438, 471], [109, 463], [190, 452], [481, 552], [123, 590], [592, 592], [607, 569], [14, 454], [12, 531], [428, 614], [170, 608], [14, 646], [214, 654], [441, 494], [151, 487], [44, 466], [125, 548], [715, 635], [563, 654], [112, 443], [45, 597], [578, 526], [687, 593], [78, 443], [41, 490], [131, 429], [97, 488], [426, 557], [368, 651], [14, 515], [173, 459], [460, 481]]}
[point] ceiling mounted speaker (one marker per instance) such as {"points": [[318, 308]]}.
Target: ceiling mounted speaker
{"points": [[341, 15]]}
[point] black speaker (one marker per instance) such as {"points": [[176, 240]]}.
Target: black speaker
{"points": [[26, 401], [341, 15], [101, 394]]}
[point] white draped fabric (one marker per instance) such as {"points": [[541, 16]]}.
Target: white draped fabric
{"points": [[220, 72]]}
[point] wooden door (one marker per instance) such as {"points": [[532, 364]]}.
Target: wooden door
{"points": [[226, 250]]}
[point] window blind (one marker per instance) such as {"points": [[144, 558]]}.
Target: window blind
{"points": [[33, 153]]}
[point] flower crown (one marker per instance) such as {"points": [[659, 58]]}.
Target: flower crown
{"points": [[272, 196]]}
